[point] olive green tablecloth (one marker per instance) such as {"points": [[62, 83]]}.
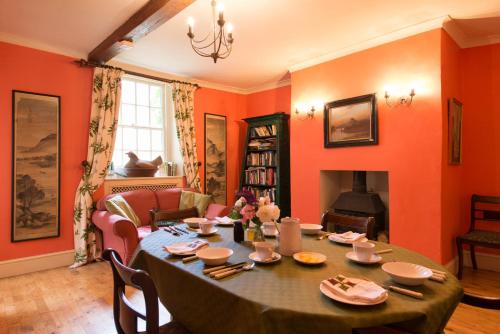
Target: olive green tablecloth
{"points": [[285, 297]]}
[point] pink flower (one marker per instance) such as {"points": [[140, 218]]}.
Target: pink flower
{"points": [[248, 213]]}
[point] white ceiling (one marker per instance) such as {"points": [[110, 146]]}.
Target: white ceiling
{"points": [[271, 37]]}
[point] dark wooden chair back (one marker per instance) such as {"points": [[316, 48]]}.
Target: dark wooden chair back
{"points": [[481, 301], [125, 314], [484, 208], [173, 215], [339, 223]]}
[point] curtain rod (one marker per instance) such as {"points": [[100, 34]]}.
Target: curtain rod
{"points": [[85, 63]]}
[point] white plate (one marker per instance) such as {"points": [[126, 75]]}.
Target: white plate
{"points": [[407, 273], [254, 257], [309, 258], [194, 221], [310, 229], [212, 231], [185, 243], [330, 294], [229, 222], [374, 259], [334, 238]]}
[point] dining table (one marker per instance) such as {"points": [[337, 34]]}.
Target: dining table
{"points": [[284, 297]]}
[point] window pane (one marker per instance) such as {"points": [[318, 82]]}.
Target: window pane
{"points": [[128, 91], [155, 93], [118, 139], [158, 153], [142, 116], [145, 155], [157, 140], [127, 114], [144, 139], [142, 94], [117, 158], [156, 118], [129, 139]]}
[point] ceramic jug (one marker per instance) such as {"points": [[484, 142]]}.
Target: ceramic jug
{"points": [[290, 241]]}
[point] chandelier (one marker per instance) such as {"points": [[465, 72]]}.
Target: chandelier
{"points": [[216, 45]]}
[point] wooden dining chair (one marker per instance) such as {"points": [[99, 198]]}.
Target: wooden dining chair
{"points": [[125, 314], [482, 209], [340, 223], [170, 215], [481, 301]]}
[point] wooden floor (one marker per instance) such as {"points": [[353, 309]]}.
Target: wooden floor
{"points": [[80, 301]]}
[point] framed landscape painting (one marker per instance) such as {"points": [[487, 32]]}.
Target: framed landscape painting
{"points": [[351, 122], [215, 157], [35, 165], [454, 132]]}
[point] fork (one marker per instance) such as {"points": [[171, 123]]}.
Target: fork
{"points": [[172, 231]]}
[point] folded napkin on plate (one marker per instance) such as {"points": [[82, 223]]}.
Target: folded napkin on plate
{"points": [[351, 236], [185, 247], [224, 220], [363, 291]]}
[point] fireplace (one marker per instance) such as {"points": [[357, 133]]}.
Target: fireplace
{"points": [[359, 198]]}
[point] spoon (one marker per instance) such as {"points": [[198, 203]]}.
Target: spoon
{"points": [[248, 266]]}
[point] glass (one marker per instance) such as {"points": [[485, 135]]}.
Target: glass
{"points": [[127, 114], [144, 139], [142, 116], [129, 139], [156, 118], [155, 94], [128, 91], [157, 140], [142, 94]]}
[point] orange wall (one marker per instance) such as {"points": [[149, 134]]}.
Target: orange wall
{"points": [[454, 201], [409, 137], [42, 72], [233, 106], [269, 102], [481, 123]]}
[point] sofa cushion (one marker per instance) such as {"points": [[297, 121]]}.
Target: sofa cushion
{"points": [[141, 200], [191, 199], [119, 206], [168, 199]]}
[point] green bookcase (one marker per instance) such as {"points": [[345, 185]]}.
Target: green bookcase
{"points": [[266, 161]]}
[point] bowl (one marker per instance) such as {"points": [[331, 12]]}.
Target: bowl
{"points": [[194, 221], [310, 229], [407, 273], [214, 256]]}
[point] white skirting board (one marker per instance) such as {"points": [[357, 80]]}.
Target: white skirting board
{"points": [[36, 263], [484, 261]]}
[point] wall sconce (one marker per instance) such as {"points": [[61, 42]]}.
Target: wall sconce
{"points": [[309, 109], [404, 99]]}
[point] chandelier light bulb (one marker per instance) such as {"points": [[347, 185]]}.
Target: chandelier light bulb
{"points": [[229, 28], [190, 22], [220, 7]]}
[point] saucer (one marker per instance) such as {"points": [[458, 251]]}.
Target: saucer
{"points": [[309, 258], [353, 257], [254, 257], [212, 231]]}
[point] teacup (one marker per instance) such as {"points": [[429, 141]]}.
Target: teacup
{"points": [[264, 249], [363, 250], [206, 227], [269, 228]]}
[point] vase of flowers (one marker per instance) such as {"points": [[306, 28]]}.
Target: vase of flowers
{"points": [[253, 213]]}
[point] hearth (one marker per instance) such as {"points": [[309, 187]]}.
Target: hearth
{"points": [[360, 202]]}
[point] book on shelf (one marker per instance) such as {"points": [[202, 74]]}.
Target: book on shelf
{"points": [[267, 158], [257, 192], [260, 176], [263, 131], [261, 144]]}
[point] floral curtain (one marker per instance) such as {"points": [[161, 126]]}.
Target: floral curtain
{"points": [[106, 92], [183, 95]]}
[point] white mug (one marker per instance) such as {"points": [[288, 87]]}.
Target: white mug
{"points": [[363, 250], [264, 249], [269, 228], [206, 227]]}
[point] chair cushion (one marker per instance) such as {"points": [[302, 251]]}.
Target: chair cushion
{"points": [[168, 199], [119, 206], [144, 231], [489, 237], [191, 199]]}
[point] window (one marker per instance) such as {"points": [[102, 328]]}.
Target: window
{"points": [[146, 123]]}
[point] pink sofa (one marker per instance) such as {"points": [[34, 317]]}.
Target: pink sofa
{"points": [[122, 235]]}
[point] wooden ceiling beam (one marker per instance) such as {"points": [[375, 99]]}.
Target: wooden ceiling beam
{"points": [[152, 15]]}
